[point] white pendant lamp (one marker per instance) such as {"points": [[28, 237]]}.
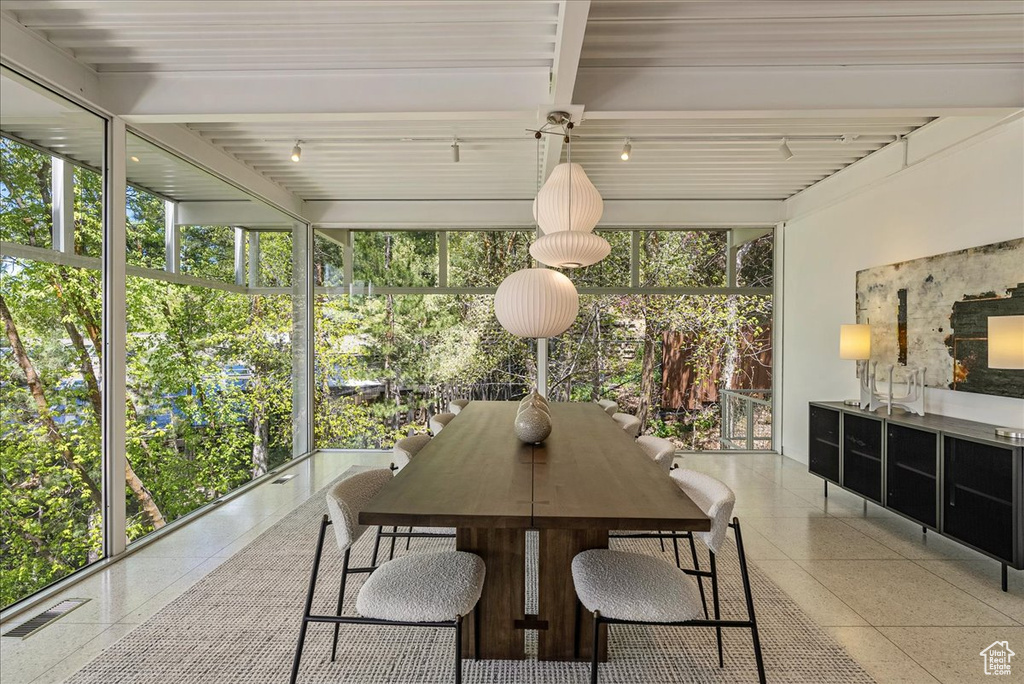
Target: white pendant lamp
{"points": [[570, 249], [568, 201], [536, 302]]}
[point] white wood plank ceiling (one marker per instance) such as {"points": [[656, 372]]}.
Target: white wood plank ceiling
{"points": [[405, 151], [265, 35], [637, 33]]}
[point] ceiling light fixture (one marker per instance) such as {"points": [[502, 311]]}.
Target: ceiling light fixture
{"points": [[455, 150], [784, 150], [297, 151], [626, 149]]}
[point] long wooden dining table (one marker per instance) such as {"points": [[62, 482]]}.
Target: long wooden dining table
{"points": [[586, 478]]}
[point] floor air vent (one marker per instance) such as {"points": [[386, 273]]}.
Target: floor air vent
{"points": [[34, 624], [283, 479]]}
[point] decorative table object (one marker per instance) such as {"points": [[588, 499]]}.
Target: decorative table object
{"points": [[532, 425]]}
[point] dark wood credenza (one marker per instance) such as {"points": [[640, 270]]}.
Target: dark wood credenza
{"points": [[952, 476]]}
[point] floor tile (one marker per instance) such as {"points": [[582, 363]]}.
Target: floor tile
{"points": [[981, 578], [881, 658], [82, 656], [953, 654], [901, 593], [825, 538], [819, 603]]}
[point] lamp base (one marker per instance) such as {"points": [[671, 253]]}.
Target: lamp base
{"points": [[1012, 433]]}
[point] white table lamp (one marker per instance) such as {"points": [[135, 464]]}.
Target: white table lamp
{"points": [[855, 345], [1006, 351]]}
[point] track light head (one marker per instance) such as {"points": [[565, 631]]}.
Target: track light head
{"points": [[784, 150], [296, 152], [455, 150], [627, 149]]}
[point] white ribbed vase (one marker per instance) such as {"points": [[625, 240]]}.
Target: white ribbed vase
{"points": [[536, 302], [570, 249], [552, 209]]}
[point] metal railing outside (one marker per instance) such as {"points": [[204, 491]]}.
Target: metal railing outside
{"points": [[746, 419]]}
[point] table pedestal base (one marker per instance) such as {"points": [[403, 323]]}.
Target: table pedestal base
{"points": [[557, 595], [504, 593]]}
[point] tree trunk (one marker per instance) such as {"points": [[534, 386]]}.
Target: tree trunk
{"points": [[35, 385], [260, 442], [646, 380]]}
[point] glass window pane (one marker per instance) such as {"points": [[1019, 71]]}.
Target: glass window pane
{"points": [[51, 393], [754, 262], [275, 263], [674, 361], [208, 252], [25, 206], [88, 213], [395, 259], [613, 270], [683, 258], [485, 258], [145, 229], [211, 376], [385, 363], [328, 258]]}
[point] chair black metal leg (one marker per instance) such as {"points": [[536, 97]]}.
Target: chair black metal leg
{"points": [[307, 611], [700, 578], [394, 530], [376, 548], [594, 650], [662, 540], [750, 601], [714, 600], [341, 600], [576, 630], [675, 548], [408, 540], [458, 650], [476, 631]]}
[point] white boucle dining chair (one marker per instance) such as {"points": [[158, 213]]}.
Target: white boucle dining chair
{"points": [[421, 590], [402, 453], [661, 451], [621, 587], [609, 406], [438, 421], [629, 423], [456, 405]]}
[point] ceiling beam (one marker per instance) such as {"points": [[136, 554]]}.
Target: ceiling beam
{"points": [[572, 25], [940, 90], [31, 54], [195, 97], [443, 214]]}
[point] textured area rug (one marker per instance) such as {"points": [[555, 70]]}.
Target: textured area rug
{"points": [[239, 625]]}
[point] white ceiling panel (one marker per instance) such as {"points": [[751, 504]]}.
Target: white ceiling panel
{"points": [[754, 33], [270, 35]]}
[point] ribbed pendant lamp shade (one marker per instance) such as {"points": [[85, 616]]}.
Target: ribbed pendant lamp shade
{"points": [[570, 249], [557, 204], [536, 302]]}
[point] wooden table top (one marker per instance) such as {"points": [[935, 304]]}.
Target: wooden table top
{"points": [[588, 474]]}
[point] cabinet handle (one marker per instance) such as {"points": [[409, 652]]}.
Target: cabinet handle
{"points": [[952, 478]]}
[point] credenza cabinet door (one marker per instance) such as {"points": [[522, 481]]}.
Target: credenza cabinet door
{"points": [[978, 495], [862, 456], [823, 445], [912, 477]]}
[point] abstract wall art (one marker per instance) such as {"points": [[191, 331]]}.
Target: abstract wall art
{"points": [[933, 313]]}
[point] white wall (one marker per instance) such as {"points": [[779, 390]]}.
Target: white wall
{"points": [[970, 195]]}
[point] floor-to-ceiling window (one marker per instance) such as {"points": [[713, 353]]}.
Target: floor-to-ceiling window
{"points": [[675, 325], [209, 338], [51, 315]]}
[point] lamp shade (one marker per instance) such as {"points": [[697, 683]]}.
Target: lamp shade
{"points": [[536, 302], [855, 342], [568, 201], [570, 249], [1006, 342]]}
